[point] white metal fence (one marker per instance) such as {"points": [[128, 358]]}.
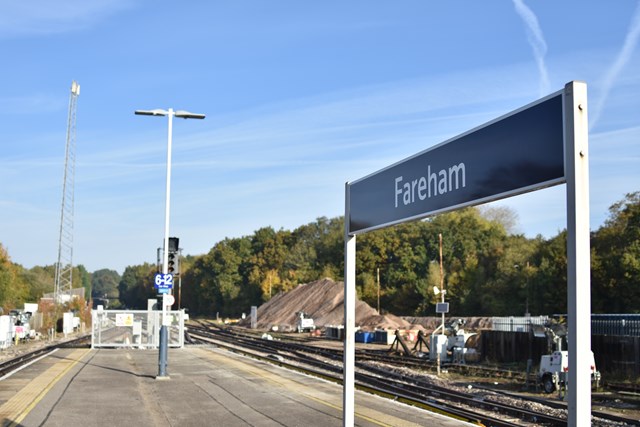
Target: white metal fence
{"points": [[135, 328], [518, 324]]}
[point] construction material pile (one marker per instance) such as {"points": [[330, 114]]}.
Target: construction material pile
{"points": [[322, 300]]}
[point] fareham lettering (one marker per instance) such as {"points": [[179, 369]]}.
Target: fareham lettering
{"points": [[431, 185]]}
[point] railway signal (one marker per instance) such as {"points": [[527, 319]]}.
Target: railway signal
{"points": [[174, 244], [174, 263]]}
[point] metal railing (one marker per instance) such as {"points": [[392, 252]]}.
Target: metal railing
{"points": [[616, 324], [518, 324], [135, 328]]}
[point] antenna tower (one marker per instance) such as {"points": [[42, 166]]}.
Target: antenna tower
{"points": [[64, 266]]}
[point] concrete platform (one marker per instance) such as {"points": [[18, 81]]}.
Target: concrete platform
{"points": [[206, 387]]}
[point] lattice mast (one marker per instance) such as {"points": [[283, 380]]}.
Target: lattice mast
{"points": [[64, 266]]}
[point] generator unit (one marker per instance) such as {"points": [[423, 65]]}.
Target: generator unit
{"points": [[554, 371], [21, 328], [305, 323], [452, 346]]}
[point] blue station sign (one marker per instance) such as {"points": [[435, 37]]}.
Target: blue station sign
{"points": [[516, 153]]}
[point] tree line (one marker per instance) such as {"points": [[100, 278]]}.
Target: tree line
{"points": [[487, 269]]}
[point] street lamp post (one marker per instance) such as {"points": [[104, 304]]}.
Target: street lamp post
{"points": [[162, 356]]}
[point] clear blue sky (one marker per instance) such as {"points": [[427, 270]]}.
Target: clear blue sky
{"points": [[300, 97]]}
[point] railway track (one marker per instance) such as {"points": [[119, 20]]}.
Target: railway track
{"points": [[624, 387], [28, 356], [478, 405], [327, 364], [383, 356]]}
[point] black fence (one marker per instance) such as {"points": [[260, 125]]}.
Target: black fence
{"points": [[616, 324], [504, 347], [616, 356]]}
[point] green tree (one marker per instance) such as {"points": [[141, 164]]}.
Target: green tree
{"points": [[616, 259], [13, 289], [301, 259], [136, 286], [85, 280], [329, 247], [269, 252], [104, 284], [197, 288], [40, 281], [216, 283], [549, 283], [473, 247]]}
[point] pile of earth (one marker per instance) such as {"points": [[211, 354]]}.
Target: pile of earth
{"points": [[323, 300]]}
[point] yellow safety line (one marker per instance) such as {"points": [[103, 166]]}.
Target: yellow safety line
{"points": [[261, 373], [18, 407]]}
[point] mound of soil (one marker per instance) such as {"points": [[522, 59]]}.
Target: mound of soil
{"points": [[323, 300]]}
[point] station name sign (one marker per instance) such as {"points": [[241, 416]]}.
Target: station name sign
{"points": [[516, 153]]}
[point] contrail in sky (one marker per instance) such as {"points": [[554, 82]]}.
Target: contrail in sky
{"points": [[536, 40], [629, 45]]}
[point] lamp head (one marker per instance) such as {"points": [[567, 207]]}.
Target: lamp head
{"points": [[156, 112], [187, 115]]}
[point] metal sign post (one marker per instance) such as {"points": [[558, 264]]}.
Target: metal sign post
{"points": [[578, 253], [164, 285], [349, 358]]}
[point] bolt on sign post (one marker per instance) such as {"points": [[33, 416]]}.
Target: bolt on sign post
{"points": [[539, 145]]}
